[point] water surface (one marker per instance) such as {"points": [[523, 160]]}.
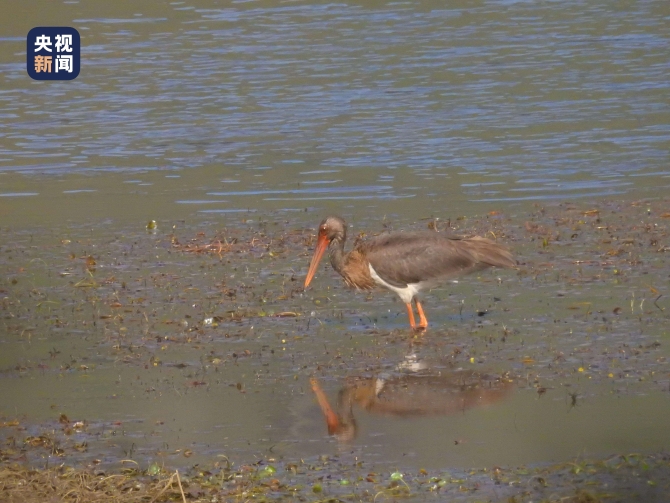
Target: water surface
{"points": [[249, 123]]}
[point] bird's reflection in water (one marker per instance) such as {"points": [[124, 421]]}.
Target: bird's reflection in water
{"points": [[409, 395]]}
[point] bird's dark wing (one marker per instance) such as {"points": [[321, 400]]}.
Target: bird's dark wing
{"points": [[428, 257]]}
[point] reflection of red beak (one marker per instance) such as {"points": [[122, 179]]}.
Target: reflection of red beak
{"points": [[321, 246], [332, 421]]}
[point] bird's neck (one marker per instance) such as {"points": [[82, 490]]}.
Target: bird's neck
{"points": [[345, 413], [337, 255]]}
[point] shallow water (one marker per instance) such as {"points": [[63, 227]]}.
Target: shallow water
{"points": [[161, 350], [255, 121]]}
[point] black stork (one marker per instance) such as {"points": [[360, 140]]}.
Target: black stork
{"points": [[405, 262]]}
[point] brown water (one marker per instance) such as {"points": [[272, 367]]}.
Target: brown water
{"points": [[256, 120]]}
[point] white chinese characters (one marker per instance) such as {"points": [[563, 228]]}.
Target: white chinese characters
{"points": [[43, 43], [53, 53], [63, 63], [64, 43]]}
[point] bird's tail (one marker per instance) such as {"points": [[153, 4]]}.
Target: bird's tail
{"points": [[489, 253]]}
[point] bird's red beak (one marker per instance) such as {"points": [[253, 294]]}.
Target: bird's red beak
{"points": [[321, 246]]}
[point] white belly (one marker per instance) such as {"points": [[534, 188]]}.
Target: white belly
{"points": [[406, 294]]}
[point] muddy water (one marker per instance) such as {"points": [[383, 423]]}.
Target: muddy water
{"points": [[370, 109], [184, 345], [244, 126]]}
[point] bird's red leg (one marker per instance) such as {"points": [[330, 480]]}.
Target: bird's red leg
{"points": [[410, 315], [423, 322]]}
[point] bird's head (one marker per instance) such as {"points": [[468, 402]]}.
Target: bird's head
{"points": [[330, 229]]}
